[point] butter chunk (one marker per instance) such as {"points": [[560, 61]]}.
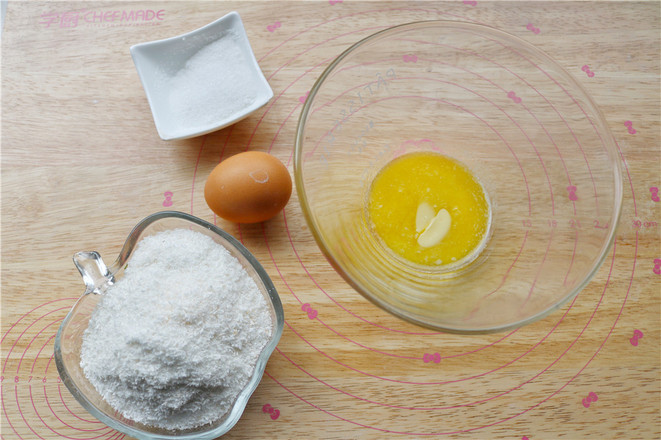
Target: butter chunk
{"points": [[436, 230], [424, 216]]}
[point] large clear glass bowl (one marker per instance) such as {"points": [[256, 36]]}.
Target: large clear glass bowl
{"points": [[97, 277], [521, 123]]}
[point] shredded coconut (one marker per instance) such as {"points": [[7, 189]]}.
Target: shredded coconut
{"points": [[174, 341]]}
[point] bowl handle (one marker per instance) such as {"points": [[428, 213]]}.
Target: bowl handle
{"points": [[94, 271]]}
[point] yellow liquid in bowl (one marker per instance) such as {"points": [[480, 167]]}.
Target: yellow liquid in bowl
{"points": [[405, 183]]}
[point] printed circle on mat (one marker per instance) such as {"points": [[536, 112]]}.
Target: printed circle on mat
{"points": [[31, 384]]}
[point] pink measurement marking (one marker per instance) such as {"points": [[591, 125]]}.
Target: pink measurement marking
{"points": [[275, 413], [34, 362], [600, 226], [4, 410], [655, 193], [435, 358], [23, 412], [274, 26], [63, 402], [45, 423], [513, 97], [470, 2], [12, 325], [657, 266], [587, 70], [24, 331], [168, 198], [637, 334], [34, 379], [37, 335], [333, 2], [312, 313], [592, 397], [571, 189], [530, 27], [302, 99], [410, 58], [629, 126]]}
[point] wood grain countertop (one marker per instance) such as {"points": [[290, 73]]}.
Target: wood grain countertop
{"points": [[82, 163]]}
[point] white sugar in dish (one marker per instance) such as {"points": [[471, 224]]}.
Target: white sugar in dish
{"points": [[214, 84], [174, 341], [203, 80]]}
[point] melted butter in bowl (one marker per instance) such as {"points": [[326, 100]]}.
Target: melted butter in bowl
{"points": [[429, 209]]}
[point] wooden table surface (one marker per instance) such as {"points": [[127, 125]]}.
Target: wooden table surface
{"points": [[82, 163]]}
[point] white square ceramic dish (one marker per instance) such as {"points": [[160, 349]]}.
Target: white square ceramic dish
{"points": [[201, 81]]}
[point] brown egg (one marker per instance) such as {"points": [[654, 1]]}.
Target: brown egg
{"points": [[249, 187]]}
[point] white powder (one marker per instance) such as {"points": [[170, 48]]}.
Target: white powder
{"points": [[173, 342], [214, 84]]}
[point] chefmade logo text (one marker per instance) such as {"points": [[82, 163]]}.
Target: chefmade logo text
{"points": [[114, 17]]}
